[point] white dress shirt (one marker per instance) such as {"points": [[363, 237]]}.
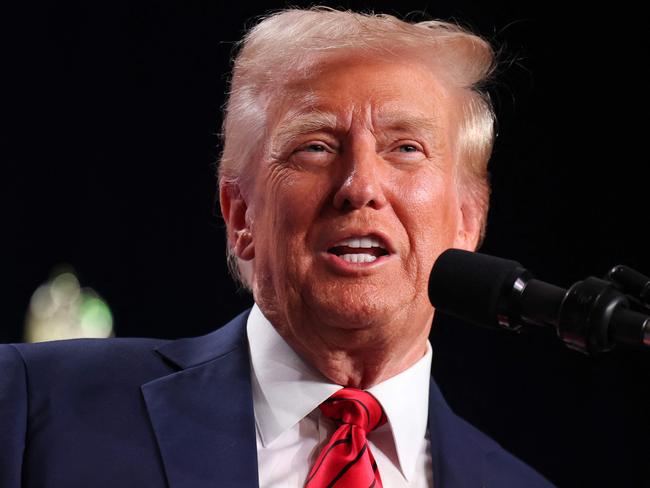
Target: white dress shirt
{"points": [[291, 430]]}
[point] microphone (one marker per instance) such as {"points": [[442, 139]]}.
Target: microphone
{"points": [[591, 316]]}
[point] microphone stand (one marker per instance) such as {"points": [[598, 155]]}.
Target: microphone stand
{"points": [[594, 314]]}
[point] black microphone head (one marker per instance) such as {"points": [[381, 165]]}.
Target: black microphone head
{"points": [[473, 286]]}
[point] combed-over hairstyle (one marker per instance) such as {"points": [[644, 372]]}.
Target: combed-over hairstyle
{"points": [[295, 40]]}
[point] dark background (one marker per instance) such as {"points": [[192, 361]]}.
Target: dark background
{"points": [[111, 113]]}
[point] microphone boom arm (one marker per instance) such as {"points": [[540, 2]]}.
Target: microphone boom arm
{"points": [[592, 316]]}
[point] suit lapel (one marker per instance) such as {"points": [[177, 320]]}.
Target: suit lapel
{"points": [[202, 415], [457, 456]]}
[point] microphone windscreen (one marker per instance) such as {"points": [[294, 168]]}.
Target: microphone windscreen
{"points": [[472, 286]]}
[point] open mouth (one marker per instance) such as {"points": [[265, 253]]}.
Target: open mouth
{"points": [[359, 249]]}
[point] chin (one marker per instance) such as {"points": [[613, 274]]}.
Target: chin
{"points": [[351, 307]]}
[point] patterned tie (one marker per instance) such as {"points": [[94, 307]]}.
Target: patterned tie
{"points": [[346, 460]]}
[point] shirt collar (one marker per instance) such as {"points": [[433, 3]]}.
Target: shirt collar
{"points": [[405, 399], [286, 389]]}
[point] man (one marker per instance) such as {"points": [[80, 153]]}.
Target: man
{"points": [[355, 153]]}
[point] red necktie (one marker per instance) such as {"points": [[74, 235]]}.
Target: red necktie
{"points": [[346, 460]]}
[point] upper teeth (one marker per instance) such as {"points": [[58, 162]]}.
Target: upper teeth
{"points": [[356, 242]]}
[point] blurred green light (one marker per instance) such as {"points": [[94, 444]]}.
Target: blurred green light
{"points": [[62, 309], [95, 318]]}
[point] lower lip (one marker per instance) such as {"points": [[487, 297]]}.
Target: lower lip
{"points": [[346, 267]]}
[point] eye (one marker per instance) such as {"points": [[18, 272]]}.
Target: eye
{"points": [[312, 154], [405, 152], [407, 148], [313, 148]]}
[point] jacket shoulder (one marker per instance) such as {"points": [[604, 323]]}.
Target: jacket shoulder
{"points": [[502, 469], [468, 457], [84, 352], [71, 364]]}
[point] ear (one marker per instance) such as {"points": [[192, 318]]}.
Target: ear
{"points": [[470, 224], [235, 213]]}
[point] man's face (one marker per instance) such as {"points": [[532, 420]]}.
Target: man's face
{"points": [[354, 198]]}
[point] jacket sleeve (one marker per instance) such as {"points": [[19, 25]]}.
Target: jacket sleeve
{"points": [[13, 415]]}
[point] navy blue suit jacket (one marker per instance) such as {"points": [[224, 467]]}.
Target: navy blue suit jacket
{"points": [[152, 413]]}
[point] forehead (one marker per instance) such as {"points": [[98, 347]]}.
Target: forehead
{"points": [[336, 89]]}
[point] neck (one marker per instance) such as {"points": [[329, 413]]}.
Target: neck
{"points": [[359, 358], [364, 369]]}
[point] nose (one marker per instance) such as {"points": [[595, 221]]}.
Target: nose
{"points": [[361, 182]]}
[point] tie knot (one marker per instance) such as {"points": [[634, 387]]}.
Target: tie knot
{"points": [[355, 407]]}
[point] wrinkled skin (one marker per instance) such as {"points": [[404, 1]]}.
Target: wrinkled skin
{"points": [[359, 148]]}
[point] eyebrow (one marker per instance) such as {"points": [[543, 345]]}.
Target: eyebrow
{"points": [[302, 123], [317, 120], [408, 122]]}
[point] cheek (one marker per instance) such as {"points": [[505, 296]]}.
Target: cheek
{"points": [[431, 205], [290, 207]]}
